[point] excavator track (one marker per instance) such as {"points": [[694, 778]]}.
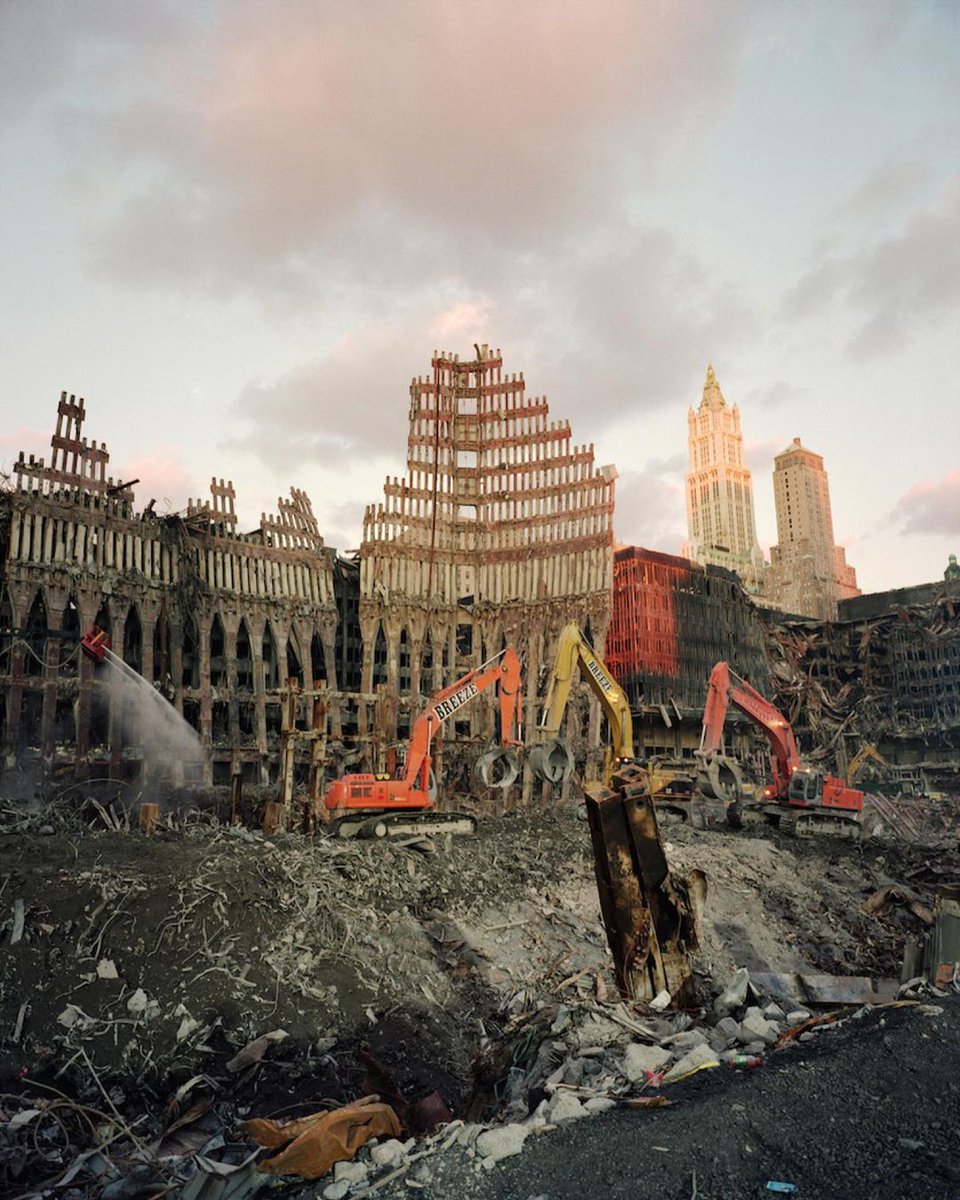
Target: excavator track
{"points": [[406, 824], [819, 823]]}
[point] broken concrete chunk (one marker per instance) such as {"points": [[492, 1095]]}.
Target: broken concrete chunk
{"points": [[336, 1191], [687, 1040], [756, 1028], [388, 1154], [797, 1016], [106, 969], [138, 1002], [734, 994], [495, 1144], [699, 1056], [661, 1001], [599, 1104], [728, 1029], [350, 1172], [773, 1012], [565, 1107], [640, 1059]]}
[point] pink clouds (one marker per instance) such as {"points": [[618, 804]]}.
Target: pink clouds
{"points": [[931, 506], [162, 477]]}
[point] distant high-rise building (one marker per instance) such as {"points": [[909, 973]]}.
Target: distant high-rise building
{"points": [[808, 574], [720, 522]]}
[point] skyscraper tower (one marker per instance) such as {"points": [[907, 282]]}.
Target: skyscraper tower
{"points": [[808, 573], [720, 522]]}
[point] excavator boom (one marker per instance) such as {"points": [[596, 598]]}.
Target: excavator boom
{"points": [[371, 797], [794, 786], [553, 760]]}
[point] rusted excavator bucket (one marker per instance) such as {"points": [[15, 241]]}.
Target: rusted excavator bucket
{"points": [[650, 917]]}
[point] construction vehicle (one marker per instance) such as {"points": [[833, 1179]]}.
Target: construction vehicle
{"points": [[553, 759], [800, 799], [367, 805], [900, 781]]}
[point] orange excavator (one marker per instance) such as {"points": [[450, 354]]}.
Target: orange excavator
{"points": [[800, 799], [376, 806]]}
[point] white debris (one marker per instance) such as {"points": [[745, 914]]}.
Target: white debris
{"points": [[350, 1172], [106, 969], [495, 1144], [699, 1056], [565, 1107], [388, 1154], [639, 1060]]}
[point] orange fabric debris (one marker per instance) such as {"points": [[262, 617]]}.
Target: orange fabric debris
{"points": [[311, 1145]]}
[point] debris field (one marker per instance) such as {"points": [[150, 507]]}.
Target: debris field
{"points": [[164, 998]]}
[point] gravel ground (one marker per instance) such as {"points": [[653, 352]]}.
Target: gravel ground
{"points": [[865, 1111]]}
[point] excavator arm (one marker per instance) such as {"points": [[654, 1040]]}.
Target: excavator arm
{"points": [[368, 794], [575, 654], [722, 691], [505, 671]]}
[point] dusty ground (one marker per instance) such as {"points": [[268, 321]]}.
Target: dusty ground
{"points": [[146, 965]]}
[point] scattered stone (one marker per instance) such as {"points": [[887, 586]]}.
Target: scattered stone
{"points": [[699, 1056], [773, 1012], [350, 1172], [495, 1144], [106, 969], [756, 1028], [565, 1107], [797, 1016], [909, 1144], [639, 1059], [599, 1104], [728, 1029], [687, 1040], [336, 1191], [661, 1001], [388, 1154], [734, 995]]}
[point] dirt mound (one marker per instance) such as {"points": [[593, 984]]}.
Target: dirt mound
{"points": [[210, 966]]}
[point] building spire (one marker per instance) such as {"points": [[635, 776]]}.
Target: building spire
{"points": [[712, 396]]}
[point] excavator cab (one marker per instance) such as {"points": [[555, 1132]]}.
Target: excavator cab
{"points": [[806, 788]]}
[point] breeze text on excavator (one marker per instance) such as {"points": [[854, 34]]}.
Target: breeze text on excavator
{"points": [[800, 798], [370, 805]]}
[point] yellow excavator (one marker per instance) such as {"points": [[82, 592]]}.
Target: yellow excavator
{"points": [[552, 760], [902, 781]]}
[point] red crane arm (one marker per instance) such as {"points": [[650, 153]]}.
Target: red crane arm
{"points": [[721, 692], [505, 672]]}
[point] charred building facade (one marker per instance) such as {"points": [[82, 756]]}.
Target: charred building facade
{"points": [[885, 673], [672, 621], [216, 620], [500, 533]]}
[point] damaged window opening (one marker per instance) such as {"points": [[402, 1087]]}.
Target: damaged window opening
{"points": [[244, 659], [218, 663]]}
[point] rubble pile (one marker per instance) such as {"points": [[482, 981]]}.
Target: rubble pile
{"points": [[162, 997]]}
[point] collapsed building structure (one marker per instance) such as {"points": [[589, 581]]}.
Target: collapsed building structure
{"points": [[672, 620], [501, 532], [886, 673], [214, 618]]}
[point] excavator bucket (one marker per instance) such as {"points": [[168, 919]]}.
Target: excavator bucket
{"points": [[720, 777], [650, 917], [95, 644], [497, 768], [553, 761]]}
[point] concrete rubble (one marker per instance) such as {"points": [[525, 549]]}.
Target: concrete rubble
{"points": [[249, 975]]}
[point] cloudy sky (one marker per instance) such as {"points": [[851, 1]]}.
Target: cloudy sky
{"points": [[240, 228]]}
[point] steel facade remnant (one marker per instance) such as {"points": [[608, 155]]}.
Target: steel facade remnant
{"points": [[500, 532], [650, 917]]}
